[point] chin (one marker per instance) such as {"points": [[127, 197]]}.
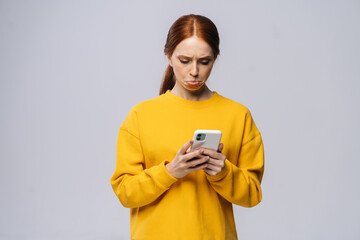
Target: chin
{"points": [[194, 89]]}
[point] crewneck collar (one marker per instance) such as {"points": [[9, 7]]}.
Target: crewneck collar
{"points": [[193, 104]]}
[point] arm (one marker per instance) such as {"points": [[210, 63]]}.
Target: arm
{"points": [[134, 185], [239, 184]]}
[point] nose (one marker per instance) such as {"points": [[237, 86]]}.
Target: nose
{"points": [[194, 70]]}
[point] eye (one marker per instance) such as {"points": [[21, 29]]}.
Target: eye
{"points": [[184, 61], [205, 62]]}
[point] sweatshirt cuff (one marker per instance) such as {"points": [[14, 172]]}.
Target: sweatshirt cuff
{"points": [[221, 174], [162, 176]]}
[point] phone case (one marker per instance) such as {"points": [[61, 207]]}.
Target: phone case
{"points": [[208, 139]]}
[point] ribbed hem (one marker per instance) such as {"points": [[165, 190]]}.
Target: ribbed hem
{"points": [[193, 104], [161, 175]]}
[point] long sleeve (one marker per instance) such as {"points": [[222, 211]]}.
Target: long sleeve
{"points": [[240, 183], [151, 136], [134, 185]]}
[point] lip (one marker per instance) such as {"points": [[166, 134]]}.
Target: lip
{"points": [[193, 83]]}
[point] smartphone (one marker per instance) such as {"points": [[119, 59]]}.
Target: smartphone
{"points": [[206, 139]]}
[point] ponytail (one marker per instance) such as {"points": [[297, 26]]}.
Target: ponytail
{"points": [[183, 28], [168, 80]]}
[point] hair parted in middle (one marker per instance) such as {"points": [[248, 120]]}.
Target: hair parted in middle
{"points": [[183, 28]]}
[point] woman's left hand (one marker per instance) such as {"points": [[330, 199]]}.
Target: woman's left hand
{"points": [[216, 161]]}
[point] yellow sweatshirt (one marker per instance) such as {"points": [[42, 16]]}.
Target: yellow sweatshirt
{"points": [[198, 206]]}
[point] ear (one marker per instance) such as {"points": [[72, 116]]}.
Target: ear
{"points": [[169, 59]]}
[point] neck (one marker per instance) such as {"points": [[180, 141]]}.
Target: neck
{"points": [[203, 93]]}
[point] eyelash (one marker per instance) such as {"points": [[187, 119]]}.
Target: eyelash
{"points": [[184, 61], [187, 61]]}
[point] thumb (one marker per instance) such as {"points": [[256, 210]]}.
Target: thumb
{"points": [[221, 147], [185, 147]]}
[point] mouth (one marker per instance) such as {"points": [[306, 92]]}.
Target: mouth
{"points": [[194, 83]]}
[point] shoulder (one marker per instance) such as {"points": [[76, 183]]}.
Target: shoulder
{"points": [[149, 104], [242, 113], [233, 106], [145, 108]]}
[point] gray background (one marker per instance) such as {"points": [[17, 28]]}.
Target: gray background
{"points": [[71, 70]]}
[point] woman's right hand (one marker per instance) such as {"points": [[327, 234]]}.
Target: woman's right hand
{"points": [[186, 162]]}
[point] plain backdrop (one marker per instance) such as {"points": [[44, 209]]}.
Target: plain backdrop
{"points": [[70, 72]]}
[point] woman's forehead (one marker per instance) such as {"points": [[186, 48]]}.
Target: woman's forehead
{"points": [[193, 46]]}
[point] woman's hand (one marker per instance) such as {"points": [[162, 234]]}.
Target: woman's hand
{"points": [[186, 162], [216, 161]]}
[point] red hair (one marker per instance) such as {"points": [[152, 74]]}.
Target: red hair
{"points": [[185, 27]]}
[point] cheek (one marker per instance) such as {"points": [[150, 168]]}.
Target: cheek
{"points": [[179, 70], [207, 70]]}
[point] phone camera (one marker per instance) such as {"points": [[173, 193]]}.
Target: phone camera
{"points": [[200, 137]]}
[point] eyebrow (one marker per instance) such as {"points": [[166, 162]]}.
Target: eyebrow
{"points": [[183, 56]]}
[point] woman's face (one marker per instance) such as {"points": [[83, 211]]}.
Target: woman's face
{"points": [[192, 61]]}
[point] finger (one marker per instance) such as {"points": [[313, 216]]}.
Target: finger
{"points": [[211, 153], [195, 162], [186, 146], [210, 172], [212, 166], [191, 155], [221, 146], [198, 167], [215, 162]]}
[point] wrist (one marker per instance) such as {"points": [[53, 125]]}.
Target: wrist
{"points": [[169, 169]]}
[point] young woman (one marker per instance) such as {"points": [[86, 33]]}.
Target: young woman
{"points": [[175, 193]]}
